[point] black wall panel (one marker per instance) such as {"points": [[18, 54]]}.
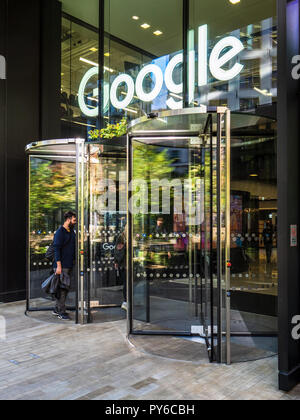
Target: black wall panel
{"points": [[23, 104], [3, 12], [31, 113], [50, 69], [288, 191]]}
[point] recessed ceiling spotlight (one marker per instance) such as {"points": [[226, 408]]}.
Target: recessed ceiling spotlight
{"points": [[145, 26], [158, 33], [135, 17], [93, 49], [107, 54], [235, 1]]}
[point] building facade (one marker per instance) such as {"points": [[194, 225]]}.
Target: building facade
{"points": [[73, 66]]}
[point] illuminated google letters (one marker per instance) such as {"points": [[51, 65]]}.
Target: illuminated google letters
{"points": [[222, 54]]}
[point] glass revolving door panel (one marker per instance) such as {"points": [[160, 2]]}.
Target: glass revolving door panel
{"points": [[107, 214], [52, 192], [167, 215], [177, 220]]}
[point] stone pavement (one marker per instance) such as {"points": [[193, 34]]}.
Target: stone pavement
{"points": [[52, 361]]}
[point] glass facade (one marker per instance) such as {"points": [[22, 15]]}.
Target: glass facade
{"points": [[178, 270], [72, 174], [154, 35], [245, 81], [254, 24], [177, 225], [80, 45], [172, 55], [52, 192]]}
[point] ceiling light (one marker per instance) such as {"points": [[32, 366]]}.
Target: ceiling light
{"points": [[135, 17], [92, 63], [253, 175], [93, 49], [85, 60], [107, 54], [80, 123], [235, 1], [135, 97], [158, 33], [176, 96], [108, 69], [130, 110], [145, 26], [264, 92]]}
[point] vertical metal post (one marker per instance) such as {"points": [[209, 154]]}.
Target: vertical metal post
{"points": [[190, 248], [28, 212], [77, 236], [80, 233], [129, 273], [82, 250], [185, 30], [228, 232], [211, 237], [88, 204], [219, 238], [101, 61]]}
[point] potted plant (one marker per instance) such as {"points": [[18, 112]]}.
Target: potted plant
{"points": [[111, 131]]}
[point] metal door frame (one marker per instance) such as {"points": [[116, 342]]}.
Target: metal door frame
{"points": [[32, 151], [223, 272], [84, 262]]}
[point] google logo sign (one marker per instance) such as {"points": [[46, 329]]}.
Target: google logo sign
{"points": [[221, 55]]}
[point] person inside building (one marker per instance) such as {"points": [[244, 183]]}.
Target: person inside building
{"points": [[160, 248], [268, 240], [64, 259], [121, 263]]}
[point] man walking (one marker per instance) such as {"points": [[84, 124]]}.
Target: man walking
{"points": [[64, 248]]}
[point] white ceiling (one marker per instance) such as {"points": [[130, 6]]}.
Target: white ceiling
{"points": [[163, 15], [86, 10], [166, 15]]}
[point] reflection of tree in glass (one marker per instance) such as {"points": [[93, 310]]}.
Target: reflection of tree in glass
{"points": [[150, 162], [52, 192]]}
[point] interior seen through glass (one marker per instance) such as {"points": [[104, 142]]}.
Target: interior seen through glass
{"points": [[173, 254], [52, 192]]}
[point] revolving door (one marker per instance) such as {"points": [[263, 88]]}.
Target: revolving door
{"points": [[179, 227], [76, 175]]}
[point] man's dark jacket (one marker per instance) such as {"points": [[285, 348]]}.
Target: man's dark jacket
{"points": [[64, 247]]}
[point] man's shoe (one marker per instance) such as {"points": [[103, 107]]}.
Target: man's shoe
{"points": [[124, 306], [64, 317], [55, 313]]}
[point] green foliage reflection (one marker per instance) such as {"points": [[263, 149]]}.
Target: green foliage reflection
{"points": [[52, 192]]}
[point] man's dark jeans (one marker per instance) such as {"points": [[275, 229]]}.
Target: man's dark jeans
{"points": [[62, 294]]}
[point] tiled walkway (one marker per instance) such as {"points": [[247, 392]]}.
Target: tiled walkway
{"points": [[64, 361]]}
